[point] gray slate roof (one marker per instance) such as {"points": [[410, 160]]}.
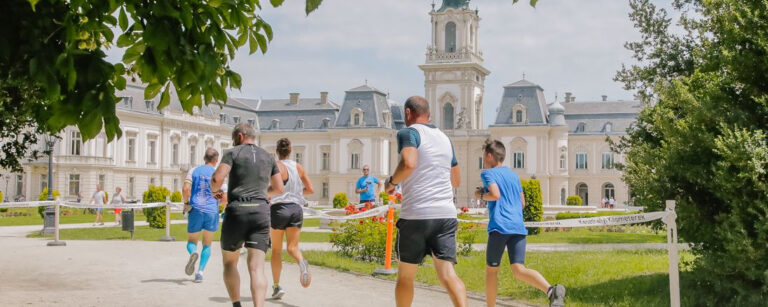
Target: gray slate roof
{"points": [[370, 100], [528, 94], [281, 115], [595, 115], [398, 115]]}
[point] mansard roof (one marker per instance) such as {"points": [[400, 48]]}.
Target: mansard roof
{"points": [[594, 116], [527, 94], [370, 100]]}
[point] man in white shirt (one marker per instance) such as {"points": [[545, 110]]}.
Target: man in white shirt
{"points": [[98, 198], [428, 172]]}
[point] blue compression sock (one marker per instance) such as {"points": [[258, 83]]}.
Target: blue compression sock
{"points": [[191, 247], [204, 255]]}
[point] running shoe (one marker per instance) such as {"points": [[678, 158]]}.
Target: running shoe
{"points": [[556, 295], [305, 278], [190, 268], [199, 277], [277, 292]]}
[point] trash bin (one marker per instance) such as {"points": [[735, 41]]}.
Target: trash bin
{"points": [[127, 218]]}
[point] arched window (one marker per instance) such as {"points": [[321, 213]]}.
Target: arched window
{"points": [[583, 191], [608, 190], [448, 116], [519, 116], [356, 119], [355, 153], [450, 37]]}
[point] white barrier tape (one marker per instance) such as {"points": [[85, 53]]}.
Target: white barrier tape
{"points": [[27, 204], [373, 212], [594, 221]]}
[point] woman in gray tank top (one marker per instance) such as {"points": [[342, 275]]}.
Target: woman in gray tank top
{"points": [[287, 216]]}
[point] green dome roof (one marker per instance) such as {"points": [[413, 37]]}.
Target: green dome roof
{"points": [[456, 4]]}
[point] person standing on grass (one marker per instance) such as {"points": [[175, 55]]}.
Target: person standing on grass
{"points": [[116, 201], [287, 217], [98, 199], [504, 193], [365, 188], [253, 178], [203, 211], [428, 172]]}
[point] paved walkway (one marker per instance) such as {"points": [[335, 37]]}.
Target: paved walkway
{"points": [[141, 273]]}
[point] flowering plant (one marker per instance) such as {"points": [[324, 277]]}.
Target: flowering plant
{"points": [[464, 209]]}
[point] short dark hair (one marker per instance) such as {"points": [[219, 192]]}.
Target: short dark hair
{"points": [[418, 105], [283, 148], [496, 149], [245, 129], [210, 155]]}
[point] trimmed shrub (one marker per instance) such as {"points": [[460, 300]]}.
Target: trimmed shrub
{"points": [[176, 197], [340, 200], [533, 210], [44, 196], [573, 200], [155, 216], [1, 197], [384, 197]]}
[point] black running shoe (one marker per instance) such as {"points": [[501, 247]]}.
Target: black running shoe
{"points": [[277, 292], [556, 296]]}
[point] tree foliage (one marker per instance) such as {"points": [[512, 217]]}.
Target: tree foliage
{"points": [[574, 200], [340, 200], [54, 72], [702, 138], [155, 216]]}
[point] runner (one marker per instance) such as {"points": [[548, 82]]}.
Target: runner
{"points": [[504, 194], [251, 170], [203, 211], [428, 172], [287, 216]]}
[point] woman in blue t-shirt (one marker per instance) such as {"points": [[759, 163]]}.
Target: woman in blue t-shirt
{"points": [[504, 193]]}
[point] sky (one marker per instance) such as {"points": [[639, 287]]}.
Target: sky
{"points": [[562, 45]]}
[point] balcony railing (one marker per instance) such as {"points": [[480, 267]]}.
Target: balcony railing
{"points": [[463, 55], [73, 159]]}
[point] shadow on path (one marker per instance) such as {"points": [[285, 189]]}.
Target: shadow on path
{"points": [[221, 299], [180, 281]]}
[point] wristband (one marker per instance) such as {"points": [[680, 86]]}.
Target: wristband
{"points": [[391, 181]]}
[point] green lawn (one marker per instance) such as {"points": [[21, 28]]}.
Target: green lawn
{"points": [[592, 278], [35, 219]]}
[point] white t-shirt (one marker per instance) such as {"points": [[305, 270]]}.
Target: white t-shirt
{"points": [[117, 199], [98, 198]]}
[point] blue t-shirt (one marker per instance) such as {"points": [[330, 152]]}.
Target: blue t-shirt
{"points": [[368, 181], [201, 197], [506, 214]]}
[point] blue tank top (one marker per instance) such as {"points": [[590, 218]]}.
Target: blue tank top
{"points": [[201, 197]]}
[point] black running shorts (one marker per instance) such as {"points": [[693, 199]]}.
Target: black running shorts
{"points": [[419, 238], [514, 243], [246, 223], [286, 215]]}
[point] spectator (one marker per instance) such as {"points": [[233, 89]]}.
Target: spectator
{"points": [[98, 199], [612, 202], [117, 200], [364, 186]]}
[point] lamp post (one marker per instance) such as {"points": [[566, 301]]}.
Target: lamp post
{"points": [[48, 214]]}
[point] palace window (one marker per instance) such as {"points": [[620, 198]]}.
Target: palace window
{"points": [[131, 186], [192, 154], [74, 184], [152, 151], [19, 184], [608, 190], [175, 154], [131, 155], [325, 190], [581, 127], [448, 116], [581, 160], [43, 183], [450, 37], [607, 159], [326, 163], [75, 143], [518, 159]]}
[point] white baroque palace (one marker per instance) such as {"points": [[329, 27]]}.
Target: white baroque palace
{"points": [[561, 143]]}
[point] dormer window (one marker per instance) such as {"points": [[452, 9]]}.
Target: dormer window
{"points": [[222, 118], [236, 119], [149, 104], [387, 118], [252, 123], [300, 124], [608, 127], [356, 119], [275, 124], [128, 102], [519, 114], [581, 127], [326, 123]]}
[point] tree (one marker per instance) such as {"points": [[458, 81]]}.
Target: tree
{"points": [[54, 72], [533, 210], [156, 215], [702, 138]]}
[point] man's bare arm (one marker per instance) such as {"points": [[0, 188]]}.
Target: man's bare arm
{"points": [[219, 175], [409, 159]]}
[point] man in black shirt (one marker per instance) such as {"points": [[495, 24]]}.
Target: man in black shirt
{"points": [[253, 178]]}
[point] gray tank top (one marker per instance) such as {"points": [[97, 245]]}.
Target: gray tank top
{"points": [[293, 190]]}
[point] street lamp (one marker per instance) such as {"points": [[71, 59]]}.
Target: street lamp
{"points": [[49, 213]]}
